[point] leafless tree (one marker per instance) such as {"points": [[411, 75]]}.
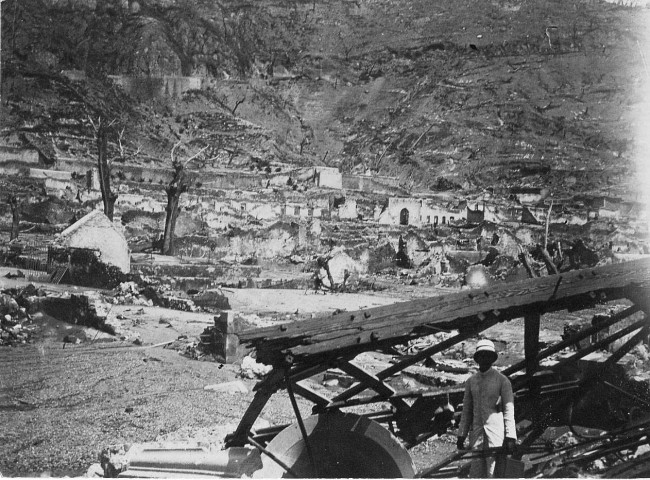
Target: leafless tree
{"points": [[179, 184], [109, 197], [16, 206]]}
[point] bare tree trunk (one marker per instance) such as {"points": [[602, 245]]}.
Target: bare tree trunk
{"points": [[15, 216], [108, 197], [179, 184], [172, 209], [175, 189]]}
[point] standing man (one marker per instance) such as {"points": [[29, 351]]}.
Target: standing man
{"points": [[488, 411]]}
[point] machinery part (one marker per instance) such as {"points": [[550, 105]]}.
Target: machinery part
{"points": [[344, 444], [189, 461]]}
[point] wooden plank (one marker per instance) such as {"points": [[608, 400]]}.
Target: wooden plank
{"points": [[368, 327], [240, 436], [431, 311], [310, 394], [367, 378], [373, 382]]}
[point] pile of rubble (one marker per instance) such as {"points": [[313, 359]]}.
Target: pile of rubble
{"points": [[130, 293], [15, 323]]}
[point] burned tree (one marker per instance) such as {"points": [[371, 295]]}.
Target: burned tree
{"points": [[109, 197], [15, 205], [179, 184]]}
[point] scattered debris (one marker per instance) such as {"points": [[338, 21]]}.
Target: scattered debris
{"points": [[16, 325], [236, 386], [252, 369]]}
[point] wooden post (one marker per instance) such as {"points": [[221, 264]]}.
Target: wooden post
{"points": [[531, 342]]}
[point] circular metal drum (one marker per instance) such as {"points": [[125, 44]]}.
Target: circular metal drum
{"points": [[344, 445]]}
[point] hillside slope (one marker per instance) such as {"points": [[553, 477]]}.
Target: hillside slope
{"points": [[467, 94]]}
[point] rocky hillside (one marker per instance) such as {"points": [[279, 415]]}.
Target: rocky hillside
{"points": [[468, 94]]}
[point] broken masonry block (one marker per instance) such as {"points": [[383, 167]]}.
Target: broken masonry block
{"points": [[225, 337]]}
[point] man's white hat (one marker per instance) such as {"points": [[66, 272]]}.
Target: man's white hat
{"points": [[486, 346]]}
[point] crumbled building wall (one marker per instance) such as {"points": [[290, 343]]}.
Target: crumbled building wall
{"points": [[401, 211], [327, 177], [151, 86], [23, 156], [54, 174], [366, 183], [348, 211]]}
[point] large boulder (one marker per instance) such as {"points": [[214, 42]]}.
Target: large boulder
{"points": [[338, 264]]}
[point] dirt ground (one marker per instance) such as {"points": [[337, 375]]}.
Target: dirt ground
{"points": [[61, 403]]}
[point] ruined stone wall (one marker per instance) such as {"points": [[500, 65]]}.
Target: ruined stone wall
{"points": [[348, 211], [15, 154], [394, 212], [374, 184], [161, 175], [53, 174], [15, 161], [300, 211], [147, 88], [329, 178], [437, 215]]}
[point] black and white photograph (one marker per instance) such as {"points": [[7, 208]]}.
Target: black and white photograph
{"points": [[325, 239]]}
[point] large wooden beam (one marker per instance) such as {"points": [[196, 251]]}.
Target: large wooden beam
{"points": [[367, 329]]}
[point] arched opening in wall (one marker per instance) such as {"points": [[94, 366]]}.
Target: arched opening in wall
{"points": [[451, 219], [404, 217], [444, 220], [435, 220]]}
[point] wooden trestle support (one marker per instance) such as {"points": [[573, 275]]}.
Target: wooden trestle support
{"points": [[548, 396]]}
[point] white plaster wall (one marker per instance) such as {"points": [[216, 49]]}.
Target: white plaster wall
{"points": [[434, 211], [329, 178], [53, 174], [574, 219], [528, 198], [348, 211], [263, 212], [139, 202], [605, 213], [55, 184], [9, 154], [111, 244], [395, 206]]}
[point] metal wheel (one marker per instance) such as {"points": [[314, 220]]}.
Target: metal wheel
{"points": [[344, 445]]}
